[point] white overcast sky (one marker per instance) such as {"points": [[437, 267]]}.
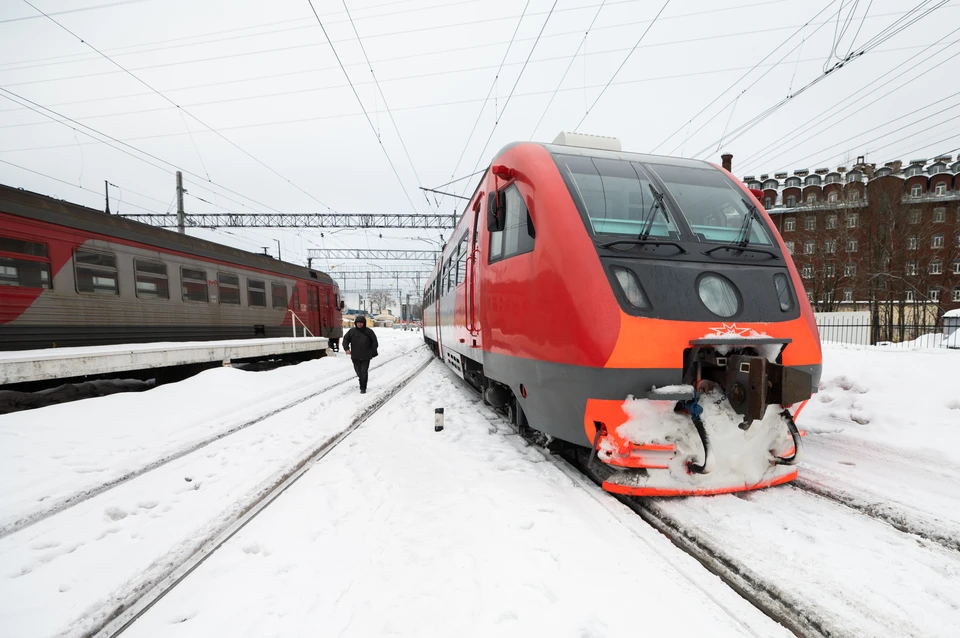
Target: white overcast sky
{"points": [[265, 77]]}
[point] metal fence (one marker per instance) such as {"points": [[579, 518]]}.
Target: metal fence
{"points": [[890, 335]]}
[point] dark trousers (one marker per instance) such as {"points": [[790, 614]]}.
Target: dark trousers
{"points": [[362, 368]]}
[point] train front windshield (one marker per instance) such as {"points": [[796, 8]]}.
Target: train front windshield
{"points": [[620, 197]]}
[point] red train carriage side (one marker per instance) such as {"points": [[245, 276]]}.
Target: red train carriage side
{"points": [[73, 276], [635, 305]]}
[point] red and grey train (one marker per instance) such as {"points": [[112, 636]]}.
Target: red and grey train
{"points": [[638, 308], [74, 276]]}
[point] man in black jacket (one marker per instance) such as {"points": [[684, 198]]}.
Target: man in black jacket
{"points": [[361, 344]]}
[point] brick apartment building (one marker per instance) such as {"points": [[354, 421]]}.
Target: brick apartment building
{"points": [[880, 239]]}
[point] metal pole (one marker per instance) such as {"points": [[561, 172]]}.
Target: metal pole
{"points": [[279, 257], [180, 213], [106, 187]]}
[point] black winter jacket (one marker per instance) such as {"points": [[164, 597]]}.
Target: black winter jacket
{"points": [[362, 344]]}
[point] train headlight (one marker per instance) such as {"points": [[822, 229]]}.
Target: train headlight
{"points": [[783, 291], [631, 288], [719, 295]]}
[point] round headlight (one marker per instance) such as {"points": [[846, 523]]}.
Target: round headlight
{"points": [[719, 295]]}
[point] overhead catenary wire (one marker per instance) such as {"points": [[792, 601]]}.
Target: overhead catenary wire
{"points": [[132, 152], [824, 116], [362, 107], [563, 77], [182, 110], [617, 72], [885, 35]]}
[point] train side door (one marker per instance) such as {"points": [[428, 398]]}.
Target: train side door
{"points": [[473, 272], [313, 308]]}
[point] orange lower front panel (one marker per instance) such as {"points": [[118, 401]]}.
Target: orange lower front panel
{"points": [[651, 489]]}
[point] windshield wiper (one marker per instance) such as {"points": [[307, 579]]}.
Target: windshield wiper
{"points": [[651, 213], [743, 238]]}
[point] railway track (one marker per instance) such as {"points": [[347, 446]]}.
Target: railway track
{"points": [[803, 608], [64, 503], [125, 614]]}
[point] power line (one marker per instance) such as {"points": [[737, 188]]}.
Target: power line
{"points": [[819, 119], [57, 179], [77, 10], [384, 97], [182, 110], [619, 68], [573, 59], [64, 119], [362, 107], [885, 35], [507, 102]]}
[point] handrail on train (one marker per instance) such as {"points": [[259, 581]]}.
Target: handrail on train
{"points": [[293, 324]]}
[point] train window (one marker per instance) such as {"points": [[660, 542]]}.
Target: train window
{"points": [[462, 262], [279, 293], [518, 232], [151, 279], [96, 272], [256, 293], [31, 272], [296, 298], [194, 284], [229, 286]]}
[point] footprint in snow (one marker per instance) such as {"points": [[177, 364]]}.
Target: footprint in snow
{"points": [[116, 513]]}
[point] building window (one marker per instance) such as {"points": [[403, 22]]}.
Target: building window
{"points": [[810, 223], [851, 245], [96, 272], [279, 293], [256, 293], [956, 267], [941, 188], [850, 270], [811, 198], [934, 294], [789, 225], [791, 200], [24, 263], [939, 215], [914, 170], [911, 268], [911, 243], [956, 293], [915, 217], [854, 195], [831, 222], [852, 220], [916, 190], [807, 272], [832, 197], [830, 246], [829, 271], [909, 296], [848, 295], [936, 241], [151, 279], [790, 246], [194, 283], [767, 202], [808, 248], [935, 267], [229, 286]]}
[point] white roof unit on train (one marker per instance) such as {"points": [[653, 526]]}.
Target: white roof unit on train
{"points": [[583, 140]]}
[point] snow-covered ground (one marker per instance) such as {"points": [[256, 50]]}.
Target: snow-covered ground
{"points": [[64, 574], [467, 532]]}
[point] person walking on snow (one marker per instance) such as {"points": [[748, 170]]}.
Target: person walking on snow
{"points": [[361, 344]]}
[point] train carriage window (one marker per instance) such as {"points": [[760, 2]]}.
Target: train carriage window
{"points": [[96, 272], [151, 279], [462, 262], [256, 293], [25, 264], [518, 235], [279, 293], [194, 284], [229, 286], [296, 298]]}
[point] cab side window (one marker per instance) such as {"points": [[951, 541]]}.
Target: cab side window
{"points": [[518, 235]]}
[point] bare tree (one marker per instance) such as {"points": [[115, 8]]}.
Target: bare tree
{"points": [[381, 299]]}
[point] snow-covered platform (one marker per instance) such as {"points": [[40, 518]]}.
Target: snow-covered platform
{"points": [[64, 363]]}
